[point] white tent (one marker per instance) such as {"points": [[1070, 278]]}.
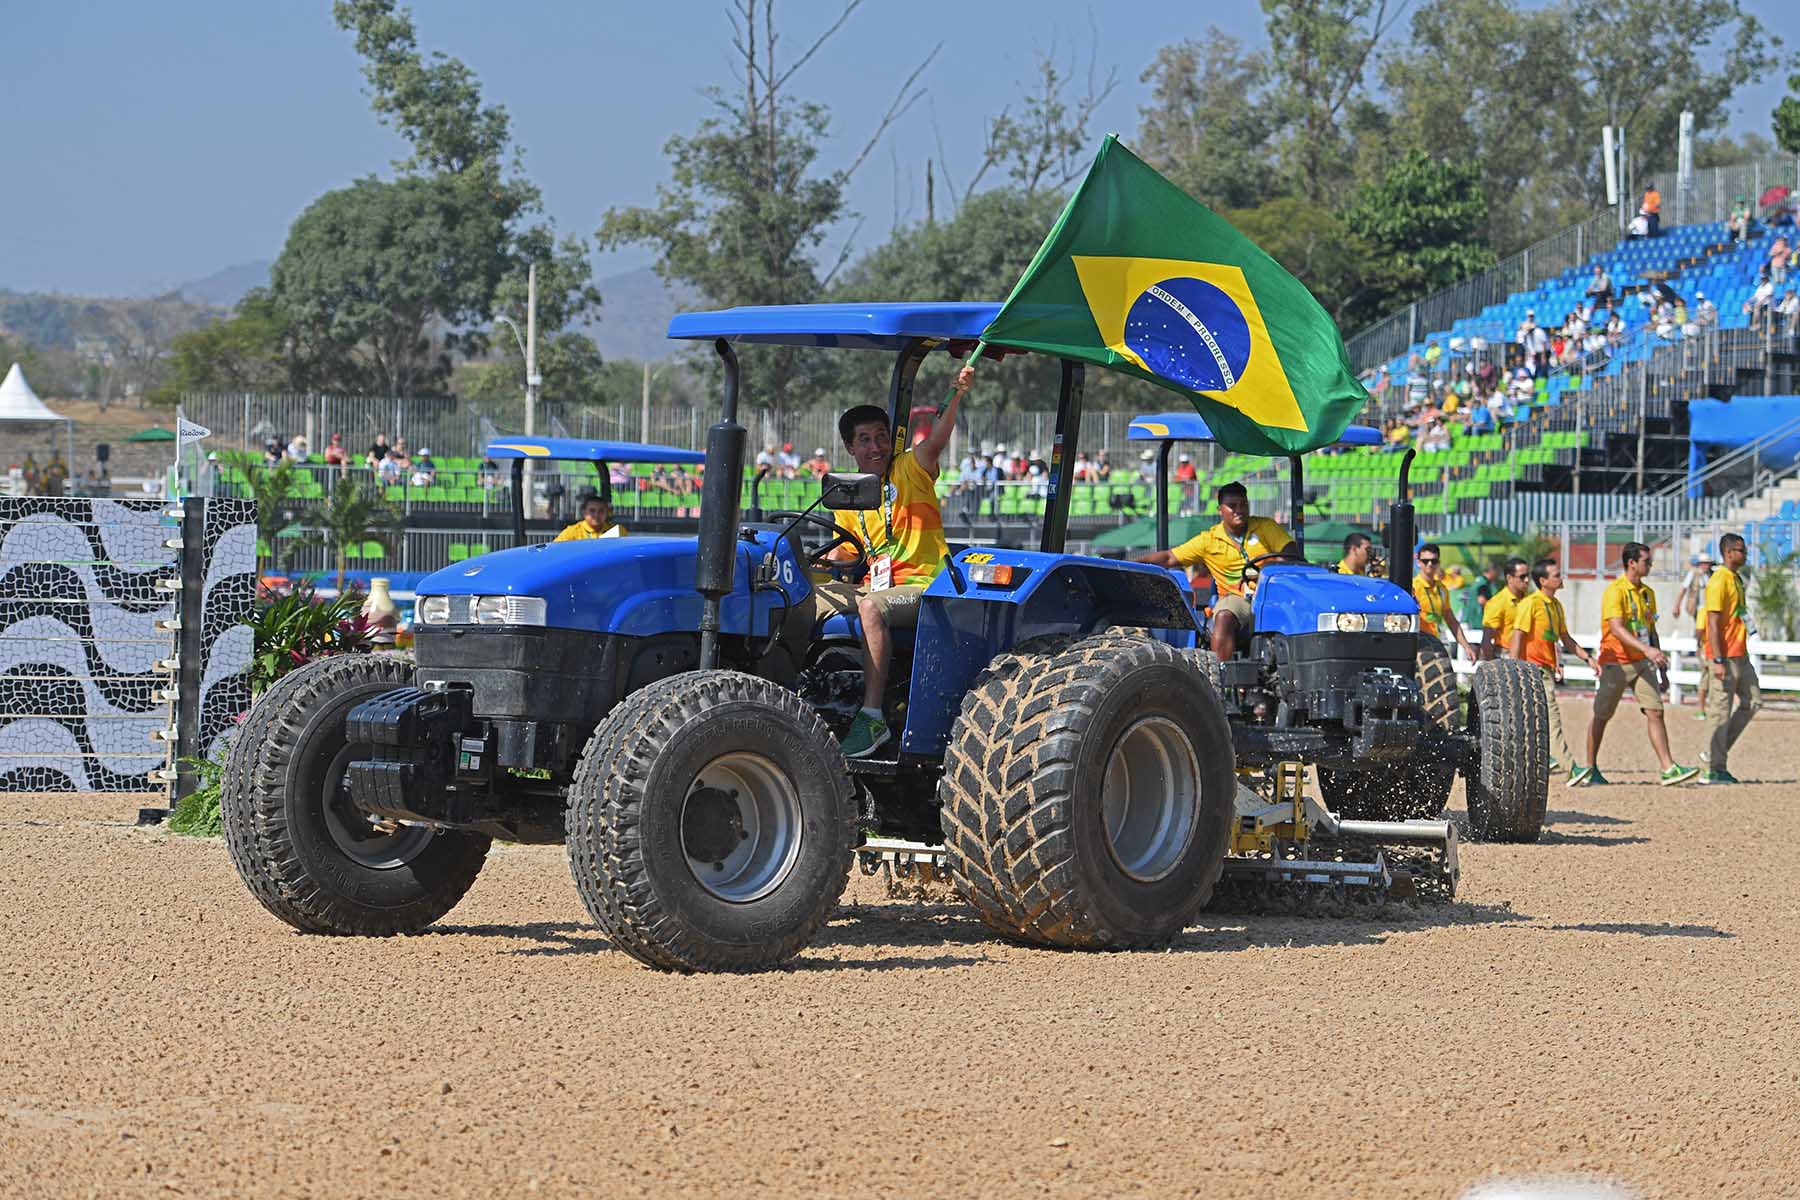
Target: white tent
{"points": [[19, 403]]}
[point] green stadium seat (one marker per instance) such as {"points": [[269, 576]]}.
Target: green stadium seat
{"points": [[458, 551]]}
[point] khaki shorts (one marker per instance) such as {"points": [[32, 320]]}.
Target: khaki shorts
{"points": [[1617, 678], [898, 605], [1237, 606]]}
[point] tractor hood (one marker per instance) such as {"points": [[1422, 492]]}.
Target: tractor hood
{"points": [[1290, 599], [639, 586]]}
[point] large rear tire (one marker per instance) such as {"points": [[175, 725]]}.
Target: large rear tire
{"points": [[1418, 788], [1088, 791], [306, 851], [711, 821], [1510, 785]]}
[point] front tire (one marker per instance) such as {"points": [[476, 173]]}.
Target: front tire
{"points": [[305, 850], [1510, 786], [711, 822], [1088, 793]]}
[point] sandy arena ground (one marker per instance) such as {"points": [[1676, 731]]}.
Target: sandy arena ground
{"points": [[1618, 1001]]}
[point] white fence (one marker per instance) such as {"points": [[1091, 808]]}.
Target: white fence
{"points": [[1783, 658]]}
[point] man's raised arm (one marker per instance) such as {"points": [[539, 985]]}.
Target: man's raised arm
{"points": [[928, 451]]}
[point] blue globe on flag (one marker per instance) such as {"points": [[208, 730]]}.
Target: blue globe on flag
{"points": [[1191, 333]]}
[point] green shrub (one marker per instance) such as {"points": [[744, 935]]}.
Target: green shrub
{"points": [[294, 628], [197, 813]]}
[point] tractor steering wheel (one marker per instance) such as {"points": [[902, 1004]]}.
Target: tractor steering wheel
{"points": [[1285, 554], [820, 560]]}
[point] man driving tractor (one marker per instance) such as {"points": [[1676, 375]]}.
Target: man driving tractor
{"points": [[1224, 551], [596, 521], [904, 543]]}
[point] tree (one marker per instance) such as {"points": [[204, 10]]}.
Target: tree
{"points": [[355, 513], [272, 491], [1344, 272], [1046, 145], [248, 352], [745, 212], [1428, 217], [1786, 118], [1320, 51], [1207, 126]]}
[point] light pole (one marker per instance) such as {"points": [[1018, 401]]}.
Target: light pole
{"points": [[533, 381], [644, 412]]}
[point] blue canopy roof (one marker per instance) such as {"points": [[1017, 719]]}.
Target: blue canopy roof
{"points": [[842, 326], [583, 450], [1189, 427]]}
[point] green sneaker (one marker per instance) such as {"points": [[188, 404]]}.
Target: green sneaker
{"points": [[1720, 777], [1677, 774], [865, 736], [1579, 776]]}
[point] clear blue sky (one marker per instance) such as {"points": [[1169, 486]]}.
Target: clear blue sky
{"points": [[152, 144]]}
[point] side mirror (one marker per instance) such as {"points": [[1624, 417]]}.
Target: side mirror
{"points": [[850, 490]]}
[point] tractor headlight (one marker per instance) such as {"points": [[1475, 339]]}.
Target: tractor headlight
{"points": [[508, 610], [1400, 623], [434, 610], [1343, 623]]}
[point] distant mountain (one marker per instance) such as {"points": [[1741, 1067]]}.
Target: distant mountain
{"points": [[634, 315], [225, 288]]}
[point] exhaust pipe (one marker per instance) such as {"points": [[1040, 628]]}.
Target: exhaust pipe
{"points": [[719, 493], [1401, 530]]}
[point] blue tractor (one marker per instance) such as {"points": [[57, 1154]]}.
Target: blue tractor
{"points": [[665, 707]]}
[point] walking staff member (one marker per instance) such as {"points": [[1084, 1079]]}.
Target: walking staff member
{"points": [[904, 542], [1540, 635], [1629, 661], [1736, 695], [1497, 617], [1434, 598], [1224, 551]]}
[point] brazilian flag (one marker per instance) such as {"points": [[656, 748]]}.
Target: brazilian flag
{"points": [[1138, 276]]}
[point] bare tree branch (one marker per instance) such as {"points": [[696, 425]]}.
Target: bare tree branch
{"points": [[843, 256], [904, 99], [849, 7], [943, 161]]}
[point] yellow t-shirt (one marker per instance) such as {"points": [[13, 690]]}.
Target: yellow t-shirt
{"points": [[1636, 605], [1542, 619], [581, 531], [1224, 556], [1498, 615], [1344, 568], [1434, 604], [1725, 596], [907, 527]]}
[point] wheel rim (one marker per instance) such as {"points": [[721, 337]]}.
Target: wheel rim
{"points": [[377, 847], [1151, 798], [740, 827]]}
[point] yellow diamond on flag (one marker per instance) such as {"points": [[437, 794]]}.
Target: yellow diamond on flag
{"points": [[1195, 324]]}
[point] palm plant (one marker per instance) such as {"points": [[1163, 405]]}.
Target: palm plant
{"points": [[1772, 595], [354, 514], [272, 489]]}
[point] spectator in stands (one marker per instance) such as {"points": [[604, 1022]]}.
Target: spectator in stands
{"points": [[1184, 469], [399, 453], [424, 471], [489, 475], [1497, 614], [1779, 255], [1523, 337], [1540, 635], [1486, 372], [819, 465], [1084, 468], [272, 453], [1102, 468], [1758, 306], [1518, 394], [1600, 287], [1147, 466], [1789, 311], [1434, 437], [1397, 436], [1631, 660], [1540, 351], [768, 460], [298, 449], [1431, 591], [790, 461], [1434, 353], [1037, 471], [596, 521], [1736, 694], [1706, 313], [336, 455], [1738, 223], [1418, 388], [1615, 329], [377, 451], [1651, 209], [389, 468]]}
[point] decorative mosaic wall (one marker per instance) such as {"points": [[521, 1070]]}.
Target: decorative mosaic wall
{"points": [[87, 590]]}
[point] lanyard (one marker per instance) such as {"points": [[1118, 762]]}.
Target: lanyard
{"points": [[887, 512]]}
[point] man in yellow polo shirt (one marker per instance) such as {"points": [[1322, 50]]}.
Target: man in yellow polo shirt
{"points": [[1434, 598], [1540, 635], [1358, 550], [1497, 617], [596, 521], [1224, 551], [1629, 661], [904, 542], [1735, 695]]}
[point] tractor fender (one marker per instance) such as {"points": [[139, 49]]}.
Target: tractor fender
{"points": [[964, 623]]}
